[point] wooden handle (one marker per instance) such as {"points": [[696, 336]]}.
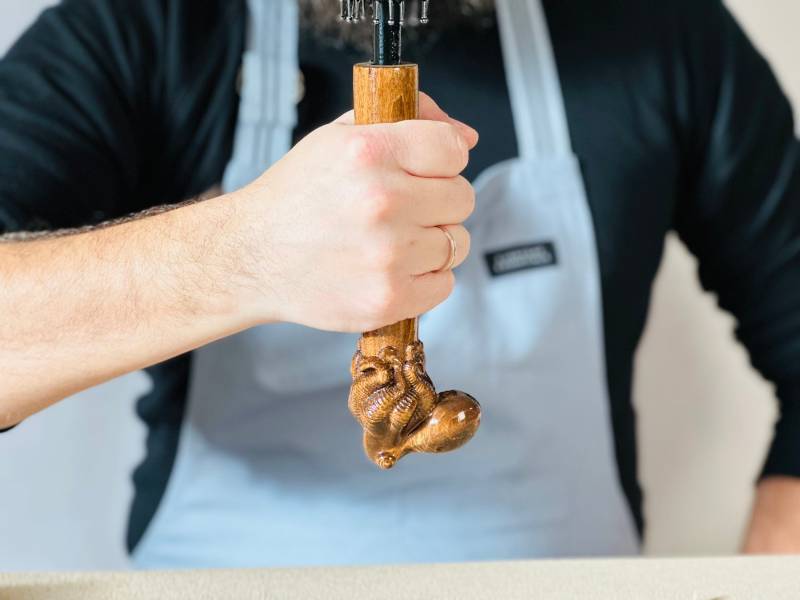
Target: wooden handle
{"points": [[392, 396], [386, 94]]}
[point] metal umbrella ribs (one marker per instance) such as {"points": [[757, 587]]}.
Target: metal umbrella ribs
{"points": [[392, 396]]}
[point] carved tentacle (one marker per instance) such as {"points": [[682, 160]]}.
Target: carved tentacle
{"points": [[404, 411], [372, 374], [378, 389], [382, 402], [424, 390], [382, 436], [354, 364]]}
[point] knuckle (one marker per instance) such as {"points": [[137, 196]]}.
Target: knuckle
{"points": [[379, 203], [468, 195], [363, 148], [467, 243], [459, 149], [384, 300], [440, 291], [448, 285]]}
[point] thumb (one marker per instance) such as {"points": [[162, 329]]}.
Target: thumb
{"points": [[428, 111]]}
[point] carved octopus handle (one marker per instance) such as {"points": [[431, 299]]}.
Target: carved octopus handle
{"points": [[396, 403], [392, 396]]}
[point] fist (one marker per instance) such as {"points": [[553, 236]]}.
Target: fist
{"points": [[345, 230]]}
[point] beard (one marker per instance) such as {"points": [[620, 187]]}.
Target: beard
{"points": [[321, 18]]}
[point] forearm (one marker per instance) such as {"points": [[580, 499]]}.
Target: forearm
{"points": [[352, 248], [775, 523], [81, 309]]}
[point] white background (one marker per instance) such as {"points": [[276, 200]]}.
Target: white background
{"points": [[705, 417]]}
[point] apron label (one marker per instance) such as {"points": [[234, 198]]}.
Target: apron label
{"points": [[521, 258]]}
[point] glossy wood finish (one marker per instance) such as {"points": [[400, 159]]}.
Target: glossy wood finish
{"points": [[392, 396], [385, 94]]}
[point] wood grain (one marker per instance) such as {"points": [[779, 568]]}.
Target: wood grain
{"points": [[386, 94]]}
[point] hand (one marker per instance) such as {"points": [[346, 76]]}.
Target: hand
{"points": [[343, 232], [775, 524]]}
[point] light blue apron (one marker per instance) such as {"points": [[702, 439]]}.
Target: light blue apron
{"points": [[270, 469]]}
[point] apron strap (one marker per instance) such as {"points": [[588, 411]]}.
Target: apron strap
{"points": [[535, 89], [267, 108]]}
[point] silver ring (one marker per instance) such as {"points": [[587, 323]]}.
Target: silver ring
{"points": [[453, 249]]}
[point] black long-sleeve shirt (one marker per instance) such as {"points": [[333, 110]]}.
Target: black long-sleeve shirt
{"points": [[108, 107]]}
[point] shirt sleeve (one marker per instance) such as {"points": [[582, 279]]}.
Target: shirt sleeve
{"points": [[740, 213], [68, 144], [108, 107]]}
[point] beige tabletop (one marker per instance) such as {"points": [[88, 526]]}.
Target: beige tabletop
{"points": [[684, 579]]}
